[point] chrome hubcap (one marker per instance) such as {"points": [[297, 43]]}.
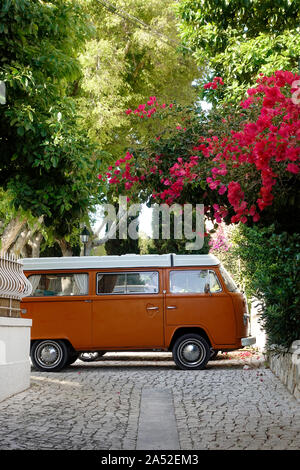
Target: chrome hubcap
{"points": [[48, 354], [191, 353]]}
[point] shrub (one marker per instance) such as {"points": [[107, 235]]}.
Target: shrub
{"points": [[270, 268]]}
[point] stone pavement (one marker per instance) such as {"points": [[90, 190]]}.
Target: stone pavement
{"points": [[97, 405]]}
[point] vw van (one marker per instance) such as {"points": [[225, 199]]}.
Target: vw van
{"points": [[186, 304]]}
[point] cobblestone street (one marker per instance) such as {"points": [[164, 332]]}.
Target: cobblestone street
{"points": [[97, 405]]}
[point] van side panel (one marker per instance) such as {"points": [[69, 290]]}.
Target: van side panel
{"points": [[214, 314], [60, 318], [135, 321]]}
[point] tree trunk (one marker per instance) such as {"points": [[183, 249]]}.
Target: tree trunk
{"points": [[35, 244], [25, 237], [65, 247], [21, 241], [11, 232]]}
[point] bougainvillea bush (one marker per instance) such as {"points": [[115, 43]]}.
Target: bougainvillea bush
{"points": [[242, 163]]}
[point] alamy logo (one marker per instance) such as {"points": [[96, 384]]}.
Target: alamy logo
{"points": [[176, 222], [296, 93]]}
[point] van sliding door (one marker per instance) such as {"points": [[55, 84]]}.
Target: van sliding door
{"points": [[127, 311]]}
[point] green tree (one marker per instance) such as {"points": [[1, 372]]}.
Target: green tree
{"points": [[119, 246], [47, 163], [238, 39], [124, 63]]}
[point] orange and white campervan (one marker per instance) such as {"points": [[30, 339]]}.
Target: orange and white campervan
{"points": [[187, 304]]}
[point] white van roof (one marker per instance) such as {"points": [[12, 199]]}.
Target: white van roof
{"points": [[122, 261]]}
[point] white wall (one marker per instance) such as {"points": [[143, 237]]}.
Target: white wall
{"points": [[14, 356], [256, 329]]}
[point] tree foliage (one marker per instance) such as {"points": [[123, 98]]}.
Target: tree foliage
{"points": [[124, 62], [47, 163], [243, 164], [238, 39]]}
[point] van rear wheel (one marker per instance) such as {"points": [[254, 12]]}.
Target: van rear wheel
{"points": [[191, 352], [49, 355]]}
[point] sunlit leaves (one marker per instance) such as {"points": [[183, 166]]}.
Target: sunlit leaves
{"points": [[240, 39]]}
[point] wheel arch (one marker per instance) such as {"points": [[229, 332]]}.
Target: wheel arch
{"points": [[66, 341], [185, 330]]}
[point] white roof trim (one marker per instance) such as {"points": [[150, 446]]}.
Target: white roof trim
{"points": [[195, 260], [123, 261]]}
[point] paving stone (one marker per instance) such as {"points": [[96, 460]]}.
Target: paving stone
{"points": [[97, 406]]}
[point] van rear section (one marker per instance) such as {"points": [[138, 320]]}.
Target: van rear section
{"points": [[243, 333], [242, 316]]}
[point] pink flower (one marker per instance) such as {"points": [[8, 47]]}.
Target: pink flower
{"points": [[245, 104], [292, 168], [222, 189]]}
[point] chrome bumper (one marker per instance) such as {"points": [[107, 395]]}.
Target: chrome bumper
{"points": [[248, 341]]}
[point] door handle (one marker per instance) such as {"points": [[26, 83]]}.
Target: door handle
{"points": [[88, 301], [152, 308], [171, 307]]}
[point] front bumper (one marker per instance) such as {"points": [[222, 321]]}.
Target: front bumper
{"points": [[248, 341]]}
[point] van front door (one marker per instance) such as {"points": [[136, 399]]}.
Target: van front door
{"points": [[127, 311], [195, 298]]}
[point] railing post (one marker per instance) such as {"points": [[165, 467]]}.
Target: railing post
{"points": [[14, 331], [13, 285]]}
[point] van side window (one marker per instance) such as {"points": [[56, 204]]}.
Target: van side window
{"points": [[196, 282], [44, 285], [111, 284], [127, 283]]}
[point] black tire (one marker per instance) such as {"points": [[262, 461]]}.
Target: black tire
{"points": [[214, 353], [72, 358], [91, 356], [49, 355], [191, 352]]}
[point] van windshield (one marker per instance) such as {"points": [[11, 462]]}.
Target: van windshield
{"points": [[229, 282]]}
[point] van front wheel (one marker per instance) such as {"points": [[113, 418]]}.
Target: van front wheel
{"points": [[191, 352], [49, 355]]}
